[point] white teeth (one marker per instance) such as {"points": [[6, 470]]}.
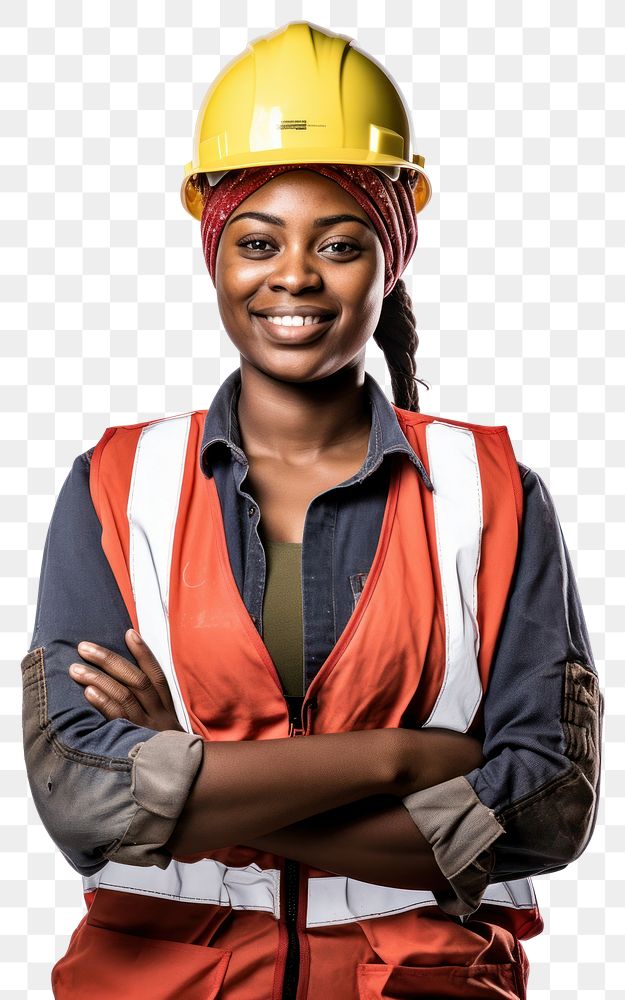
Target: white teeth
{"points": [[293, 320]]}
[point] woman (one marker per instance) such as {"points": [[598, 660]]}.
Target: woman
{"points": [[402, 565]]}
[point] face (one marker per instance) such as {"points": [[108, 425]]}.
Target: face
{"points": [[296, 259]]}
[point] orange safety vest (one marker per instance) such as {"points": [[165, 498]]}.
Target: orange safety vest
{"points": [[244, 924]]}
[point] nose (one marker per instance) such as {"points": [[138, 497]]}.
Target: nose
{"points": [[295, 270]]}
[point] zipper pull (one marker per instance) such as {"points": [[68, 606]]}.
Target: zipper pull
{"points": [[295, 703]]}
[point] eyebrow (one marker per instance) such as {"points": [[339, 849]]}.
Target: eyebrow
{"points": [[275, 220]]}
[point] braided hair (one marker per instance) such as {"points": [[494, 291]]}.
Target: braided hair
{"points": [[396, 335]]}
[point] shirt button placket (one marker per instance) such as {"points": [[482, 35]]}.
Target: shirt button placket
{"points": [[258, 599]]}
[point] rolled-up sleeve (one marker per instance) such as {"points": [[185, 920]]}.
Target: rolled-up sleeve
{"points": [[103, 789], [531, 807]]}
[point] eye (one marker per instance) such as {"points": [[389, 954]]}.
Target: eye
{"points": [[248, 242], [341, 243]]}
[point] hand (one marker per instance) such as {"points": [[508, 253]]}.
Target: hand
{"points": [[120, 690]]}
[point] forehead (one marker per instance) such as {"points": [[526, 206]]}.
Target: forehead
{"points": [[297, 184], [304, 197]]}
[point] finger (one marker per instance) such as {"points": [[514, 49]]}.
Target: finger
{"points": [[105, 690], [110, 709], [131, 676], [150, 666]]}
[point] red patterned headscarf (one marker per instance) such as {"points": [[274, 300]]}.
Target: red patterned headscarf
{"points": [[389, 204]]}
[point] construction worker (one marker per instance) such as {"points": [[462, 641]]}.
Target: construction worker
{"points": [[346, 734]]}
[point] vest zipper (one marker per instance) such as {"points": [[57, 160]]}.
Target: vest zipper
{"points": [[292, 868], [291, 878], [291, 967]]}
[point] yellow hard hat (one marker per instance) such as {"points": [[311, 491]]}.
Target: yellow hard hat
{"points": [[302, 94]]}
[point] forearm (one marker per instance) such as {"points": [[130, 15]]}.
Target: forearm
{"points": [[373, 840], [376, 839], [248, 789], [245, 789]]}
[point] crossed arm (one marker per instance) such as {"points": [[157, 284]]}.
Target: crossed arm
{"points": [[373, 840], [540, 783], [329, 800], [339, 809]]}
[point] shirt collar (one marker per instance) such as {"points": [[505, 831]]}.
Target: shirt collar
{"points": [[222, 426]]}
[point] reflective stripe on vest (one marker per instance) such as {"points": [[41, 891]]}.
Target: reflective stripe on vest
{"points": [[206, 881], [152, 511], [332, 900], [455, 473], [441, 573]]}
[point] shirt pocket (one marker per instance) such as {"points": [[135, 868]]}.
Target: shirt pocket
{"points": [[357, 583]]}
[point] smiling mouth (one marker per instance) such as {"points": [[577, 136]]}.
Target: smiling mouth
{"points": [[294, 334]]}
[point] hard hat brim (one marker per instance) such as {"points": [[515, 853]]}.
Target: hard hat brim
{"points": [[193, 202]]}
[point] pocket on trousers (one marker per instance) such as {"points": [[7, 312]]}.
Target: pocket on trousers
{"points": [[440, 982], [101, 964]]}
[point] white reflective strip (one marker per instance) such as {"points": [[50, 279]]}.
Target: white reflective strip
{"points": [[518, 893], [457, 500], [205, 881], [332, 900], [152, 512], [340, 900]]}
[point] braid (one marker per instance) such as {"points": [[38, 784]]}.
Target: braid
{"points": [[396, 335]]}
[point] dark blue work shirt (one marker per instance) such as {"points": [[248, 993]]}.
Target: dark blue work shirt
{"points": [[341, 529]]}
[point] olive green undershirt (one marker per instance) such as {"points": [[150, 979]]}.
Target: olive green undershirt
{"points": [[282, 613]]}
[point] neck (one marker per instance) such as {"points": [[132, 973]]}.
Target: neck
{"points": [[302, 421]]}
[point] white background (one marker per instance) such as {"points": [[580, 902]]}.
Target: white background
{"points": [[109, 316]]}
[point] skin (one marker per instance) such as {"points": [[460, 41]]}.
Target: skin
{"points": [[302, 410], [329, 800]]}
